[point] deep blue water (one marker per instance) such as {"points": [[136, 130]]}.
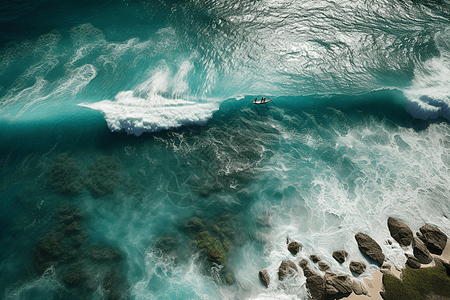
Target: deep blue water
{"points": [[129, 141]]}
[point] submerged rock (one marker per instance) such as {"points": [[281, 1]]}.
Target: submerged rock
{"points": [[340, 255], [421, 252], [65, 176], [433, 238], [400, 232], [102, 177], [370, 248], [212, 246], [286, 268], [105, 254], [264, 277], [73, 278], [357, 267], [294, 247]]}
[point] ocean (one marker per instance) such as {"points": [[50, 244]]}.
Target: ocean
{"points": [[133, 164]]}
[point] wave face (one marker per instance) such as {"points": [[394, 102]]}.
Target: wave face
{"points": [[133, 164]]}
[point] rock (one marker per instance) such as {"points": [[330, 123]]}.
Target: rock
{"points": [[264, 277], [213, 246], [370, 248], [337, 284], [357, 267], [314, 258], [294, 247], [323, 266], [73, 278], [303, 263], [359, 288], [65, 176], [400, 232], [421, 252], [386, 266], [433, 238], [193, 224], [340, 255], [316, 286], [112, 284], [67, 214], [286, 268], [103, 176], [306, 270], [412, 262]]}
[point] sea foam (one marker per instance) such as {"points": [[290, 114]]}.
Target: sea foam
{"points": [[137, 115]]}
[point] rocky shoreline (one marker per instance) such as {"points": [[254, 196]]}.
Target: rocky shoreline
{"points": [[428, 246]]}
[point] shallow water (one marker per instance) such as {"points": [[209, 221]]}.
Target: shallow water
{"points": [[129, 132]]}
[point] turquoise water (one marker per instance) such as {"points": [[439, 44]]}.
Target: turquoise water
{"points": [[129, 142]]}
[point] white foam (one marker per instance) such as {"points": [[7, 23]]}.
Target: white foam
{"points": [[137, 115], [429, 94]]}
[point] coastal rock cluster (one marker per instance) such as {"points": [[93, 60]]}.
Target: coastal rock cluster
{"points": [[101, 178], [328, 285], [81, 266]]}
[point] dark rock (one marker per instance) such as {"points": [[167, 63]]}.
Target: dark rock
{"points": [[421, 252], [433, 238], [303, 263], [166, 245], [73, 278], [323, 266], [294, 247], [316, 286], [286, 268], [370, 248], [314, 258], [400, 232], [105, 254], [412, 262], [358, 288], [340, 255], [264, 277], [65, 176], [194, 224], [72, 229], [67, 214], [357, 267], [102, 177], [337, 284]]}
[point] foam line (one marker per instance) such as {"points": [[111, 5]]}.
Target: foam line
{"points": [[137, 115]]}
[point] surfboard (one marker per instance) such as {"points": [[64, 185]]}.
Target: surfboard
{"points": [[261, 102]]}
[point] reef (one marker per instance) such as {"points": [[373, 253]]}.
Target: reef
{"points": [[102, 177], [82, 267], [65, 176]]}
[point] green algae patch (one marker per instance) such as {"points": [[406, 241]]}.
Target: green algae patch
{"points": [[417, 284], [213, 246], [103, 176], [65, 176]]}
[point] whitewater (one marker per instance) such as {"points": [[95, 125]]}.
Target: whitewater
{"points": [[129, 141]]}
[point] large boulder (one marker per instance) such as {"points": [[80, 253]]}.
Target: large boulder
{"points": [[400, 232], [264, 277], [294, 247], [306, 270], [412, 262], [323, 266], [316, 286], [370, 248], [314, 258], [337, 284], [214, 246], [357, 267], [340, 255], [359, 288], [286, 268], [421, 252], [433, 238]]}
